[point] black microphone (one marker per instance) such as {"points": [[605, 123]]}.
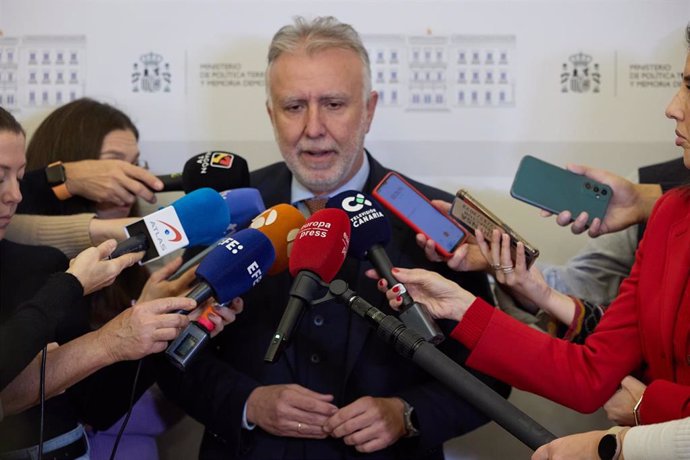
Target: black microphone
{"points": [[216, 169], [411, 345], [371, 231], [317, 254]]}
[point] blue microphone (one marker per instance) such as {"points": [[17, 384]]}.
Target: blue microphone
{"points": [[243, 204], [236, 265], [200, 217]]}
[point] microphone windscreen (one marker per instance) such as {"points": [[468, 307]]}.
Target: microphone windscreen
{"points": [[244, 204], [236, 264], [369, 224], [217, 170], [203, 216], [321, 244], [280, 223]]}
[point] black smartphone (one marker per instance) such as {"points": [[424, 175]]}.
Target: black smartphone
{"points": [[410, 205], [556, 189], [474, 215]]}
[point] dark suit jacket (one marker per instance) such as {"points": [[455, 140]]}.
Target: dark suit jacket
{"points": [[333, 351]]}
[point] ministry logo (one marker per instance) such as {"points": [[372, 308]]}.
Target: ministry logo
{"points": [[151, 74], [580, 75]]}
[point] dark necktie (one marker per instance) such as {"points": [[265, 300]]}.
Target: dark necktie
{"points": [[315, 204]]}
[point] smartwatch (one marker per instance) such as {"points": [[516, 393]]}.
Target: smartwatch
{"points": [[409, 422], [56, 177], [610, 445]]}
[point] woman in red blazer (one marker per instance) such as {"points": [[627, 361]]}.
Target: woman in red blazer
{"points": [[647, 326]]}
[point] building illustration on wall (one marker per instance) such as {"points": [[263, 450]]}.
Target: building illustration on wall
{"points": [[41, 71], [443, 72]]}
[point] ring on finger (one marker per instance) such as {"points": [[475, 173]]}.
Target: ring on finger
{"points": [[507, 269], [495, 266]]}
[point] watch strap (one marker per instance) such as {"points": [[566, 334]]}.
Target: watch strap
{"points": [[610, 446], [61, 192], [407, 418]]}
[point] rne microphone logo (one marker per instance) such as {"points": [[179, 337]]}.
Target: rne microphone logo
{"points": [[222, 160], [355, 203]]}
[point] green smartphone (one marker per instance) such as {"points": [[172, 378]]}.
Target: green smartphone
{"points": [[556, 189]]}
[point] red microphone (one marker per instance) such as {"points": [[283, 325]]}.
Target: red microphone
{"points": [[318, 252]]}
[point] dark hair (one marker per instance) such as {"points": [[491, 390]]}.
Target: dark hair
{"points": [[75, 132], [9, 123]]}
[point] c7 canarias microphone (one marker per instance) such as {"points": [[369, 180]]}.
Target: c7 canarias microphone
{"points": [[200, 217], [371, 232], [217, 169], [280, 223], [231, 269], [243, 205], [317, 254]]}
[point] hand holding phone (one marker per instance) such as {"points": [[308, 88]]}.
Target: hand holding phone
{"points": [[415, 209], [473, 215], [556, 189]]}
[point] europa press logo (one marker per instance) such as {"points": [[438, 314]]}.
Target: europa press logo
{"points": [[355, 203], [172, 234], [151, 74], [580, 75]]}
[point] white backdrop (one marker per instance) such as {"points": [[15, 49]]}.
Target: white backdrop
{"points": [[582, 81]]}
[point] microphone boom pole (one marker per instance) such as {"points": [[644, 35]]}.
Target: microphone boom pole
{"points": [[412, 346]]}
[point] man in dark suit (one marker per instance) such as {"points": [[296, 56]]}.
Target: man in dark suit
{"points": [[338, 391]]}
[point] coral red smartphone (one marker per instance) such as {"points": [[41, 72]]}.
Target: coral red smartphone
{"points": [[410, 205]]}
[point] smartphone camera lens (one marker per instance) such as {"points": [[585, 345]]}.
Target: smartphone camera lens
{"points": [[603, 191], [588, 185], [596, 189]]}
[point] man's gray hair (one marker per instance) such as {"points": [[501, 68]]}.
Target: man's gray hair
{"points": [[321, 33]]}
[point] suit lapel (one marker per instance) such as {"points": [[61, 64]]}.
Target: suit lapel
{"points": [[359, 328]]}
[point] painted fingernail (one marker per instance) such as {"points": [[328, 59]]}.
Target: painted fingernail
{"points": [[398, 299], [395, 270], [396, 289], [381, 282]]}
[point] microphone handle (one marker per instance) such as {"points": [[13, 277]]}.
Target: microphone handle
{"points": [[304, 289], [201, 293], [410, 345], [172, 182], [412, 313], [135, 243]]}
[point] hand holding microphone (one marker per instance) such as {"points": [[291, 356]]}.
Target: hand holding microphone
{"points": [[95, 271], [370, 233]]}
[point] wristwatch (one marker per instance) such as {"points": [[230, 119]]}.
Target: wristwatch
{"points": [[610, 445], [55, 174], [408, 418]]}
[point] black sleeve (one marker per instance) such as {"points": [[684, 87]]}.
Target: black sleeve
{"points": [[38, 198], [33, 324]]}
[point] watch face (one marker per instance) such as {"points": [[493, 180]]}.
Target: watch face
{"points": [[607, 447], [55, 174]]}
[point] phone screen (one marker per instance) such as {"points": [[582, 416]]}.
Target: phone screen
{"points": [[418, 210]]}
